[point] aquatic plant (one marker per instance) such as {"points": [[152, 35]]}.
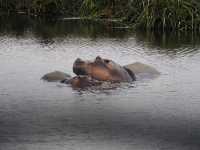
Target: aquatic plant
{"points": [[103, 8], [41, 7], [148, 14], [166, 14], [163, 15], [47, 6]]}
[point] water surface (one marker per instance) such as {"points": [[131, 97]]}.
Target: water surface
{"points": [[149, 114]]}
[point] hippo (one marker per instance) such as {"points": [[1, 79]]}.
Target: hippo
{"points": [[99, 71], [103, 70], [82, 82]]}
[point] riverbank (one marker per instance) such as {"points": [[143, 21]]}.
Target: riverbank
{"points": [[162, 15]]}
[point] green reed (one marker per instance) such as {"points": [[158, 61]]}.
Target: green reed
{"points": [[163, 15], [41, 7], [168, 15]]}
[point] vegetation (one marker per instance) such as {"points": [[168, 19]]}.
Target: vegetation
{"points": [[163, 15], [168, 15], [41, 7], [105, 8], [149, 14]]}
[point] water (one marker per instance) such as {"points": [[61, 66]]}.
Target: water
{"points": [[150, 114]]}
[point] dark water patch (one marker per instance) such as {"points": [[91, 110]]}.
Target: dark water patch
{"points": [[48, 29], [169, 40], [40, 123]]}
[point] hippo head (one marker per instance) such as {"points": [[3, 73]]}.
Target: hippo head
{"points": [[101, 69]]}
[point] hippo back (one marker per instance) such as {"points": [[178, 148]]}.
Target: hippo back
{"points": [[56, 76], [142, 70]]}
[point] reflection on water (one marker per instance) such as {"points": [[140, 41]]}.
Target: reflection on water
{"points": [[162, 113], [49, 29], [171, 43]]}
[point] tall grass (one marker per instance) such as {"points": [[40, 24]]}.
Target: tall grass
{"points": [[41, 7], [167, 15], [148, 14], [163, 15], [89, 8], [47, 6], [104, 8]]}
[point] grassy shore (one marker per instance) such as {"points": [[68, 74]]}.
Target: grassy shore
{"points": [[179, 15]]}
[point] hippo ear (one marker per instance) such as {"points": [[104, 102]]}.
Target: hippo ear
{"points": [[131, 73]]}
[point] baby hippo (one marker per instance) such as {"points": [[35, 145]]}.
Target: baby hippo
{"points": [[81, 82]]}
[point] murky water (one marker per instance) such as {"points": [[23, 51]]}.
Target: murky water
{"points": [[150, 114]]}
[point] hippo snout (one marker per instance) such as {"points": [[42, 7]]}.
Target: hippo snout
{"points": [[78, 61], [79, 67]]}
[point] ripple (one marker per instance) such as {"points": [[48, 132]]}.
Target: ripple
{"points": [[159, 113]]}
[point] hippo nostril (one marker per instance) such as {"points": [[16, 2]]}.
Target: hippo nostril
{"points": [[99, 59]]}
